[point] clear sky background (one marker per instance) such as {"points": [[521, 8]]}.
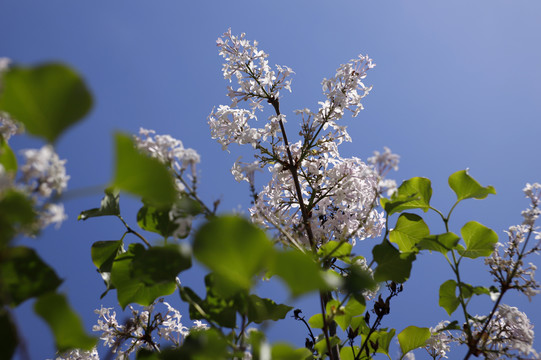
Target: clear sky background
{"points": [[457, 85]]}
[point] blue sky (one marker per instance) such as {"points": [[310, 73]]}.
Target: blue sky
{"points": [[457, 85]]}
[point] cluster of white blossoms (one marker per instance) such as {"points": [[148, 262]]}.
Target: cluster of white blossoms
{"points": [[169, 151], [174, 155], [146, 328], [311, 185], [509, 332], [438, 345], [507, 261], [43, 176], [255, 78]]}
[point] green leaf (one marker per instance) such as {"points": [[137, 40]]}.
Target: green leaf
{"points": [[142, 175], [448, 299], [392, 265], [160, 264], [383, 339], [16, 215], [409, 230], [198, 345], [357, 281], [414, 193], [316, 321], [283, 351], [65, 324], [260, 310], [219, 309], [442, 243], [8, 334], [466, 187], [7, 157], [47, 99], [413, 337], [234, 249], [343, 315], [335, 249], [110, 205], [132, 285], [299, 271], [156, 220], [346, 352], [24, 275], [480, 240], [321, 345], [103, 254]]}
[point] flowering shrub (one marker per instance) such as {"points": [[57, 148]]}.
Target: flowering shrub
{"points": [[303, 228]]}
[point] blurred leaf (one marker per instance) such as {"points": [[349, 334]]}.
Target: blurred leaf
{"points": [[335, 249], [126, 277], [8, 334], [47, 99], [392, 265], [24, 275], [260, 309], [109, 206], [321, 345], [480, 240], [414, 193], [160, 263], [219, 309], [299, 271], [16, 215], [441, 243], [142, 175], [234, 249], [283, 351], [357, 281], [448, 299], [409, 230], [198, 345], [65, 324], [316, 321], [466, 187], [413, 337], [7, 157]]}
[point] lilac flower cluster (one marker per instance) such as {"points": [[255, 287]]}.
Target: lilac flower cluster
{"points": [[311, 184], [43, 175]]}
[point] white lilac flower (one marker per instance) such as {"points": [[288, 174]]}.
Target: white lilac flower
{"points": [[44, 172], [346, 89], [167, 150], [342, 192], [77, 354], [199, 325], [52, 214], [230, 126], [146, 328], [245, 171], [533, 192], [256, 80], [8, 127], [384, 162], [438, 345], [343, 199], [6, 180], [509, 334]]}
